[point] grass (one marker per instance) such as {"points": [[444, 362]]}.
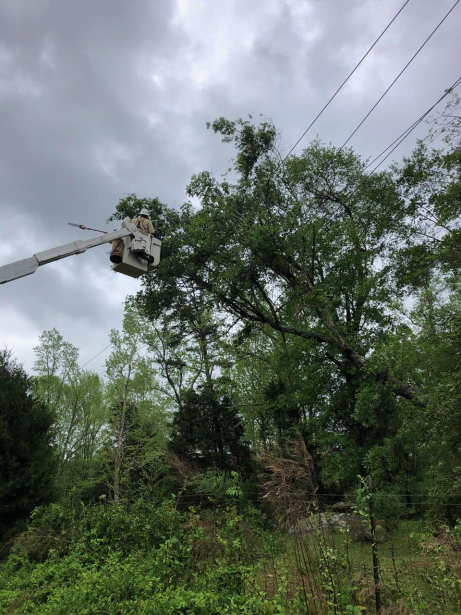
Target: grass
{"points": [[420, 572]]}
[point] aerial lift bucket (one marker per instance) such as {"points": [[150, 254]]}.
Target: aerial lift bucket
{"points": [[132, 264]]}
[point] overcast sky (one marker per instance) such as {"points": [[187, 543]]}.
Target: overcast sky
{"points": [[99, 98]]}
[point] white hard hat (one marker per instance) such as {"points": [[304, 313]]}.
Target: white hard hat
{"points": [[144, 212]]}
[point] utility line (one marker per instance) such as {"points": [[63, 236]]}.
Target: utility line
{"points": [[410, 129], [108, 346], [281, 163], [96, 355], [138, 350], [399, 75], [343, 83], [405, 134]]}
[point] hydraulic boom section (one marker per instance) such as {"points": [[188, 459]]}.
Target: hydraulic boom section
{"points": [[134, 241]]}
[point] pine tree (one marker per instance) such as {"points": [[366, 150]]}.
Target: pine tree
{"points": [[208, 431], [27, 460]]}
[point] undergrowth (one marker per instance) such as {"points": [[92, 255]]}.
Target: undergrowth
{"points": [[157, 559]]}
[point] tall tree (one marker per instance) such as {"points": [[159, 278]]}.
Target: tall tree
{"points": [[302, 249], [312, 255], [208, 433], [132, 394], [27, 460], [298, 249], [74, 395]]}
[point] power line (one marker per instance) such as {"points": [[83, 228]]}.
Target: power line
{"points": [[330, 100], [410, 129], [343, 83], [138, 350], [400, 74], [100, 352], [405, 134], [96, 355]]}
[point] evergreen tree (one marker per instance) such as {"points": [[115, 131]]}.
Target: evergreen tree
{"points": [[27, 460], [208, 431]]}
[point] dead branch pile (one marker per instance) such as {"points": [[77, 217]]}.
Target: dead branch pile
{"points": [[289, 481]]}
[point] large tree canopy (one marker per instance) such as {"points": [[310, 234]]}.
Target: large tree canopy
{"points": [[304, 249], [308, 267]]}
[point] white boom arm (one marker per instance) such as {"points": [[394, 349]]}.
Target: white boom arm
{"points": [[27, 266]]}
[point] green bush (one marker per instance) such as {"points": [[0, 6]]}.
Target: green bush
{"points": [[148, 559]]}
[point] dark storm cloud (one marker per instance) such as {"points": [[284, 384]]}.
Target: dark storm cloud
{"points": [[79, 64], [102, 98], [73, 141]]}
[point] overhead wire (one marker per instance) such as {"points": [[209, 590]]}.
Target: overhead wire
{"points": [[282, 161], [344, 83], [396, 142], [96, 355], [405, 134], [410, 129], [138, 350], [399, 75], [108, 346]]}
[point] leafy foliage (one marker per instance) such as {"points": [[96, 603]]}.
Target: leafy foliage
{"points": [[27, 460], [75, 397], [208, 432]]}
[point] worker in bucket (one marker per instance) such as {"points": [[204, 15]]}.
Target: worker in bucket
{"points": [[144, 225]]}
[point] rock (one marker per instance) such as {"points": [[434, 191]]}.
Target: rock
{"points": [[358, 529], [343, 507], [335, 522]]}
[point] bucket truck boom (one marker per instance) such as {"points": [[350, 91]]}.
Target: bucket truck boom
{"points": [[132, 265]]}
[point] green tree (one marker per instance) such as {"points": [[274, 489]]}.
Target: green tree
{"points": [[207, 431], [430, 233], [185, 345], [76, 398], [437, 321], [27, 460], [305, 265], [298, 250], [138, 423], [144, 472]]}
